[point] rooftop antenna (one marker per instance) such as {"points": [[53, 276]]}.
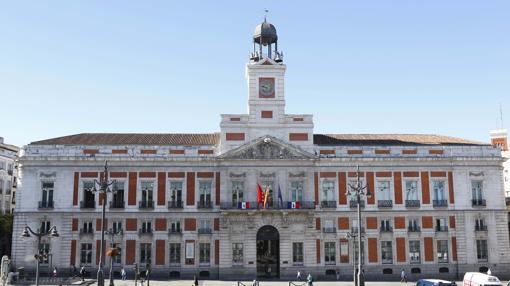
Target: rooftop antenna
{"points": [[265, 14], [500, 116]]}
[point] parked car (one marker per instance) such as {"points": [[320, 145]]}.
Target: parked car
{"points": [[480, 279], [435, 282]]}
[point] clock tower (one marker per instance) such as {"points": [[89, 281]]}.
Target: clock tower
{"points": [[265, 75]]}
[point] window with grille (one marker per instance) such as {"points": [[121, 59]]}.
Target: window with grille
{"points": [[481, 250], [297, 252], [386, 252], [176, 191], [296, 190], [205, 253], [439, 190], [328, 190], [383, 188], [204, 188], [237, 192], [147, 191], [329, 253], [145, 253], [414, 251], [477, 190], [237, 253], [412, 190], [442, 251], [86, 253], [175, 253]]}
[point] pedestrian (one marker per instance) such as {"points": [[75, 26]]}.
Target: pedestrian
{"points": [[123, 274], [254, 282], [309, 279], [195, 281], [298, 276], [82, 273], [73, 271], [54, 271], [337, 274], [403, 276], [489, 272]]}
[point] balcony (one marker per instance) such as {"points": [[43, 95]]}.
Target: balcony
{"points": [[146, 204], [328, 204], [86, 231], [204, 230], [415, 260], [385, 203], [412, 203], [480, 228], [87, 204], [145, 231], [386, 229], [354, 229], [440, 203], [45, 205], [413, 229], [387, 260], [117, 205], [177, 231], [175, 205], [478, 203], [354, 204], [204, 205], [441, 228], [329, 229]]}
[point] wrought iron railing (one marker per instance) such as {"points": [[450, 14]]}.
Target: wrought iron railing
{"points": [[175, 204], [146, 204], [117, 204], [384, 203], [329, 229], [87, 204], [45, 204], [412, 203], [354, 204], [478, 203], [328, 204], [439, 203], [413, 229], [204, 204], [204, 230]]}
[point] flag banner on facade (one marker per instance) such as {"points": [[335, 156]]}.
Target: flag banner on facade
{"points": [[266, 195], [260, 194], [243, 205], [293, 205], [280, 199]]}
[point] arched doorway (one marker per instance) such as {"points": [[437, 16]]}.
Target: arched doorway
{"points": [[268, 253]]}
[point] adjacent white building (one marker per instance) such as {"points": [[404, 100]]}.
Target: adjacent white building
{"points": [[8, 176], [189, 204]]}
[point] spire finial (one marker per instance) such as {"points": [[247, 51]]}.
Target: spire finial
{"points": [[265, 15], [500, 116]]}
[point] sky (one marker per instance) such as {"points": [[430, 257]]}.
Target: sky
{"points": [[435, 66]]}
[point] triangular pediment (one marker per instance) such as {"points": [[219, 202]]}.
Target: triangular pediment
{"points": [[266, 62], [267, 148]]}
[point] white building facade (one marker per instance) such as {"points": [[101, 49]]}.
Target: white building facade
{"points": [[188, 204]]}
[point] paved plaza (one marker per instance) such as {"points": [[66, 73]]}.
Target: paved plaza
{"points": [[248, 283]]}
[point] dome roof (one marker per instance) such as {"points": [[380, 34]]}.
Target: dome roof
{"points": [[265, 33]]}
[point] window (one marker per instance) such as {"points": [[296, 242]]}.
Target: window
{"points": [[296, 190], [297, 253], [47, 192], [328, 190], [329, 253], [237, 253], [146, 227], [414, 251], [481, 249], [118, 194], [87, 227], [442, 251], [45, 251], [175, 226], [441, 224], [147, 191], [476, 191], [414, 224], [1, 186], [45, 226], [205, 253], [86, 253], [386, 225], [89, 200], [117, 226], [8, 188], [9, 169], [175, 253], [412, 190], [204, 188], [439, 193], [237, 192], [176, 192], [386, 252], [204, 226], [145, 253], [117, 259], [383, 193], [480, 224]]}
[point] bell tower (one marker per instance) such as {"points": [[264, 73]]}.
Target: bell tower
{"points": [[265, 76]]}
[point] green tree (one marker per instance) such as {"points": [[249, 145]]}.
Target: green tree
{"points": [[5, 234]]}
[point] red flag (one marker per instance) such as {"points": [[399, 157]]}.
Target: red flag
{"points": [[260, 194]]}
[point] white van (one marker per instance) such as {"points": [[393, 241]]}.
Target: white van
{"points": [[480, 279]]}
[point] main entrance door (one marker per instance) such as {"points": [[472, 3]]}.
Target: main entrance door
{"points": [[268, 253]]}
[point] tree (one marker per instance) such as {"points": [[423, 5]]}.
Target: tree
{"points": [[5, 234]]}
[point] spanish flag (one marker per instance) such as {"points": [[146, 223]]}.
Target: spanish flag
{"points": [[266, 193], [260, 194]]}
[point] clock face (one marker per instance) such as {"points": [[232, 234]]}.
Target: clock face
{"points": [[266, 87]]}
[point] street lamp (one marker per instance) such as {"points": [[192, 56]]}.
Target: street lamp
{"points": [[51, 233], [359, 190], [113, 252], [104, 188]]}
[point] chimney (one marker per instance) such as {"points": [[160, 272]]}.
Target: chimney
{"points": [[499, 139]]}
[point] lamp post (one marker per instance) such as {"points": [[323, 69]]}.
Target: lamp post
{"points": [[52, 232], [104, 188], [113, 252], [359, 190]]}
